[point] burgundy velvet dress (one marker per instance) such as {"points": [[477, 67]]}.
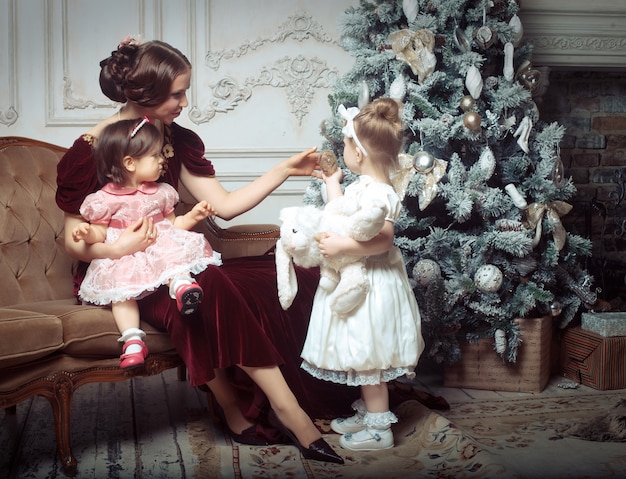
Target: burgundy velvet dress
{"points": [[240, 320]]}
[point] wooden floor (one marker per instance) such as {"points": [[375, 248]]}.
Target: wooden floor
{"points": [[137, 429]]}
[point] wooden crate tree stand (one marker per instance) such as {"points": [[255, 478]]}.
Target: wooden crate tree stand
{"points": [[482, 368]]}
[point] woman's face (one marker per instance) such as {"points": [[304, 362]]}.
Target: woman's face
{"points": [[171, 108]]}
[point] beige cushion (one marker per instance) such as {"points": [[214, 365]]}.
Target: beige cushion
{"points": [[26, 336], [90, 331]]}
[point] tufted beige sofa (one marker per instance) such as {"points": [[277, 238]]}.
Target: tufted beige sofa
{"points": [[49, 344]]}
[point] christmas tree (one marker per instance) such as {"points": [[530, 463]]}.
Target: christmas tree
{"points": [[481, 177]]}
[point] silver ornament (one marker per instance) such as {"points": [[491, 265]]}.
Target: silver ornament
{"points": [[426, 271], [488, 278], [556, 308], [423, 162]]}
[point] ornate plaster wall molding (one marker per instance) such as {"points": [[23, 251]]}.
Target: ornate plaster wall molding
{"points": [[300, 76], [8, 112], [301, 26], [576, 33]]}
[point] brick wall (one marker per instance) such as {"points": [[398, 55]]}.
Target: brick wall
{"points": [[592, 108]]}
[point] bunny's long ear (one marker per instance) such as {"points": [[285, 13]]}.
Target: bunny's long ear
{"points": [[285, 277]]}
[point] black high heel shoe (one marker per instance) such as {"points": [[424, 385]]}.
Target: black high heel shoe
{"points": [[318, 450]]}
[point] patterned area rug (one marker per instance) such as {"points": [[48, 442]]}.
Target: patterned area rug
{"points": [[513, 438]]}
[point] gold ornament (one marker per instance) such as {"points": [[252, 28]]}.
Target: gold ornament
{"points": [[416, 49], [553, 212], [401, 178], [472, 120], [529, 77], [467, 103], [328, 162]]}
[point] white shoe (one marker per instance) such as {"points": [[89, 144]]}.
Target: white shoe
{"points": [[368, 440], [346, 425]]}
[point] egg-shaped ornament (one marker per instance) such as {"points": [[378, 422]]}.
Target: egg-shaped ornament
{"points": [[426, 271], [488, 278], [364, 95], [423, 162]]}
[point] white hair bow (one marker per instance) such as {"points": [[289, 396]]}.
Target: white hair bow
{"points": [[348, 130]]}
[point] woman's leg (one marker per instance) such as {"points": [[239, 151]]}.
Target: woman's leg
{"points": [[228, 400], [284, 403]]}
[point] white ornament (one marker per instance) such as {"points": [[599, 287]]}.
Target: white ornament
{"points": [[364, 95], [518, 199], [474, 82], [411, 9], [487, 162], [488, 278], [523, 131], [500, 341], [517, 30], [508, 71], [426, 271], [397, 90]]}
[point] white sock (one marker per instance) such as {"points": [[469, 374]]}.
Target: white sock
{"points": [[130, 334], [176, 283]]}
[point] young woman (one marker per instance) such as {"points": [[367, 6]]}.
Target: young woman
{"points": [[242, 325]]}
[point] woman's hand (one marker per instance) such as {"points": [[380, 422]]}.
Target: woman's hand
{"points": [[304, 163], [137, 237]]}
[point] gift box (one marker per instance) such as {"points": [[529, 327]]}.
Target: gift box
{"points": [[481, 367], [593, 360], [605, 324]]}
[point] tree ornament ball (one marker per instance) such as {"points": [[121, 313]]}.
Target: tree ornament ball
{"points": [[472, 120], [426, 271], [556, 308], [467, 103], [423, 162], [488, 278]]}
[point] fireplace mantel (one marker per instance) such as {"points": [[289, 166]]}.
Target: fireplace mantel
{"points": [[576, 34]]}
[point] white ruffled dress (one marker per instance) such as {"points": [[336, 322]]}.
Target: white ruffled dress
{"points": [[381, 340]]}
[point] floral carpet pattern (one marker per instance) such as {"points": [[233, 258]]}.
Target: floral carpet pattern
{"points": [[511, 438]]}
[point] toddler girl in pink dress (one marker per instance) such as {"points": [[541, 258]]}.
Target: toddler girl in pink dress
{"points": [[129, 163]]}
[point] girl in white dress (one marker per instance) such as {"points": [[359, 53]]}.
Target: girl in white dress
{"points": [[129, 162], [380, 340]]}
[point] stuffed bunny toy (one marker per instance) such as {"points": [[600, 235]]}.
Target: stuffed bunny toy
{"points": [[344, 275]]}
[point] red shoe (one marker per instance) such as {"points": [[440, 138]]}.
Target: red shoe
{"points": [[132, 360], [188, 298]]}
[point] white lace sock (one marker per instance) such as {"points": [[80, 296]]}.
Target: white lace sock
{"points": [[129, 334]]}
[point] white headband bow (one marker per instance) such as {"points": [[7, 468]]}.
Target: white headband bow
{"points": [[348, 129]]}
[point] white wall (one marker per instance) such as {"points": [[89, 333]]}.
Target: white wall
{"points": [[277, 57]]}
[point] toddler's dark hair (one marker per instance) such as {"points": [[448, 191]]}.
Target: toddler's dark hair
{"points": [[115, 142]]}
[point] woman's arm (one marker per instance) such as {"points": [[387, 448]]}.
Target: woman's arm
{"points": [[332, 244], [134, 238], [229, 204]]}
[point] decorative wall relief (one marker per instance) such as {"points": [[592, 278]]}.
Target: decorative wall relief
{"points": [[8, 114], [299, 75]]}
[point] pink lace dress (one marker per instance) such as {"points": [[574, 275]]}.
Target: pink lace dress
{"points": [[175, 251]]}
